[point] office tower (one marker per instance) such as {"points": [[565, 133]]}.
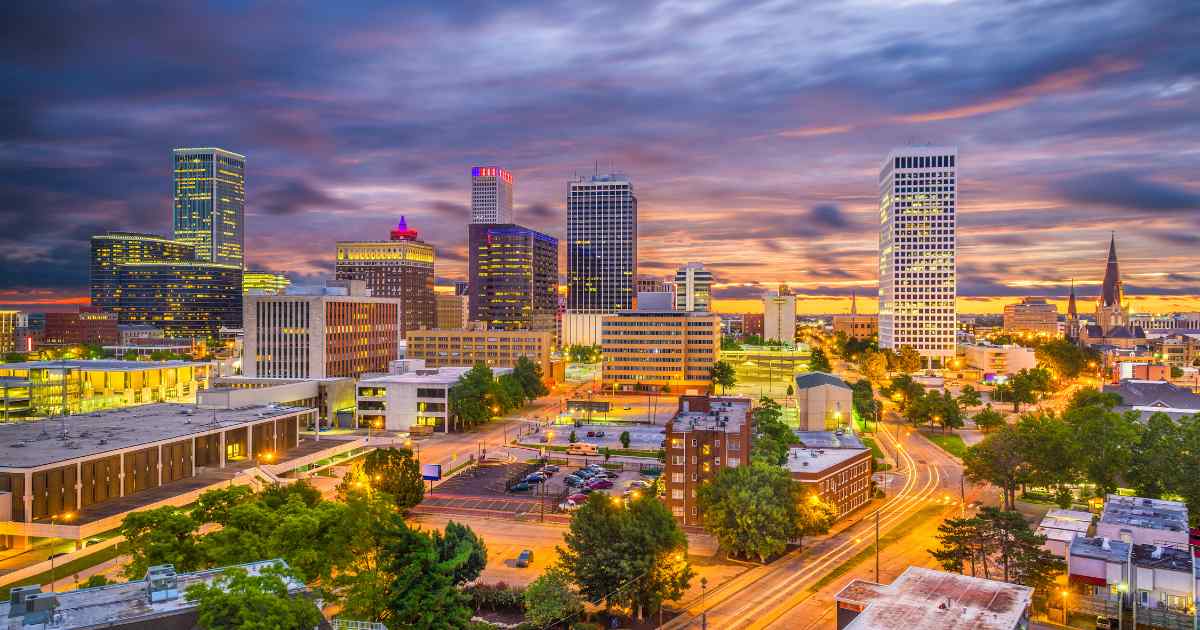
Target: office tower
{"points": [[401, 267], [918, 196], [659, 351], [491, 195], [1031, 315], [601, 243], [461, 287], [334, 331], [111, 250], [184, 299], [693, 288], [210, 203], [514, 277], [779, 316], [9, 322], [264, 282], [650, 284], [453, 312]]}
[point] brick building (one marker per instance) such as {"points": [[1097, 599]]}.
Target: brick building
{"points": [[706, 434], [835, 467], [74, 329]]}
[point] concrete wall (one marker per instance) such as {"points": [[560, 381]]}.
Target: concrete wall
{"points": [[816, 406]]}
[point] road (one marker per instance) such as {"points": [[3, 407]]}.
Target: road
{"points": [[773, 596]]}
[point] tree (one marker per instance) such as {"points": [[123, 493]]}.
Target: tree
{"points": [[1186, 480], [161, 536], [529, 374], [791, 390], [1049, 447], [469, 397], [988, 418], [723, 375], [1001, 539], [397, 473], [1105, 440], [1155, 460], [908, 390], [96, 579], [236, 599], [873, 365], [460, 544], [908, 359], [583, 354], [818, 362], [1176, 371], [998, 459], [969, 397], [863, 398], [729, 343], [958, 540], [549, 599], [422, 591], [1062, 356], [772, 436], [813, 515], [750, 510], [625, 439]]}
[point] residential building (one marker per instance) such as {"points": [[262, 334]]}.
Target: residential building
{"points": [[706, 434], [122, 454], [87, 326], [333, 332], [491, 195], [1031, 315], [9, 322], [1144, 521], [923, 599], [184, 299], [1097, 568], [474, 344], [823, 402], [1105, 575], [659, 350], [264, 282], [210, 204], [918, 189], [1177, 350], [84, 386], [401, 268], [693, 288], [1148, 397], [753, 324], [111, 250], [1139, 371], [779, 317], [513, 277], [601, 243], [410, 396], [453, 311], [835, 468], [999, 360], [855, 325], [1060, 527]]}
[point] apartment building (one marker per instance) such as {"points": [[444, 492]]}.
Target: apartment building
{"points": [[707, 434], [836, 468]]}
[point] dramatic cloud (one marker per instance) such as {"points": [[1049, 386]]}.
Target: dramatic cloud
{"points": [[1128, 191]]}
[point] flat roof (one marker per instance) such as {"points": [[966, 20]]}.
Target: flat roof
{"points": [[100, 365], [127, 602], [1159, 514], [1117, 551], [42, 442], [1160, 557], [815, 460], [1069, 520], [725, 414], [924, 598], [427, 376], [829, 439]]}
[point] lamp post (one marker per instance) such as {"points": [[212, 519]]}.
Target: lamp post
{"points": [[1066, 616], [65, 517], [1121, 588]]}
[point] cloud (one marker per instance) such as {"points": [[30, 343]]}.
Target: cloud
{"points": [[1125, 190], [295, 197]]}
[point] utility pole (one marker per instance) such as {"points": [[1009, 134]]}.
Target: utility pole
{"points": [[878, 580]]}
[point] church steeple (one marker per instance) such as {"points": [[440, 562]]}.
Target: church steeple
{"points": [[853, 302], [1110, 291], [1072, 310]]}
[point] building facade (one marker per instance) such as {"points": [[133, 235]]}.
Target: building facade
{"points": [[113, 249], [9, 322], [601, 243], [264, 282], [514, 277], [838, 476], [491, 195], [779, 317], [401, 267], [410, 396], [87, 326], [1031, 315], [210, 203], [184, 299], [918, 189], [494, 348], [1002, 360], [706, 435], [82, 386], [453, 311], [659, 350], [338, 332], [693, 288], [823, 402]]}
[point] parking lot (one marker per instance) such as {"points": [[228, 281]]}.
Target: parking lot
{"points": [[641, 437]]}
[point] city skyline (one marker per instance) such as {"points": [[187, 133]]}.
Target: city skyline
{"points": [[769, 179]]}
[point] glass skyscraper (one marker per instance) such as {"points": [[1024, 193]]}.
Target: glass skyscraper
{"points": [[111, 250], [601, 243], [184, 299], [513, 277], [210, 203]]}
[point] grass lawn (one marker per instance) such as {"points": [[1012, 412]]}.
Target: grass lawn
{"points": [[950, 442]]}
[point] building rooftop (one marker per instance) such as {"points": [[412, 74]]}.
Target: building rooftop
{"points": [[34, 444], [1159, 514], [923, 598], [128, 602], [1160, 557], [1109, 549], [725, 414], [1154, 395], [101, 365], [427, 376], [1069, 520], [829, 439], [816, 379], [813, 460]]}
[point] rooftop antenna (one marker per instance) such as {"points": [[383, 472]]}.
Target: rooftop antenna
{"points": [[597, 171]]}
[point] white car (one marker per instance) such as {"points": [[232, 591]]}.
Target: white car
{"points": [[568, 506]]}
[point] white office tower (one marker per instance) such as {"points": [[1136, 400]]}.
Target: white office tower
{"points": [[693, 288], [917, 198], [779, 316], [491, 195]]}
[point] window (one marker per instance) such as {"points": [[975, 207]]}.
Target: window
{"points": [[676, 477], [676, 511], [677, 494], [734, 462], [678, 460], [676, 442]]}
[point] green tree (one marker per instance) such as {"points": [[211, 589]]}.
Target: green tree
{"points": [[161, 536], [969, 397], [813, 515], [470, 396], [908, 389], [818, 362], [908, 359], [529, 374], [1186, 480], [1062, 356], [95, 580], [791, 390], [873, 365], [998, 459], [863, 398], [987, 418], [1155, 460], [583, 354], [958, 544], [1049, 448], [729, 343], [397, 473], [238, 600], [422, 592], [750, 510], [772, 436], [460, 544], [625, 439], [549, 599], [723, 375], [1105, 441]]}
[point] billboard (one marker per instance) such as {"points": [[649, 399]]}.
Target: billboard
{"points": [[431, 472]]}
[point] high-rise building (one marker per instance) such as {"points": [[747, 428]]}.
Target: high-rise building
{"points": [[650, 284], [779, 316], [918, 191], [336, 331], [210, 203], [398, 268], [111, 250], [184, 299], [491, 195], [1031, 315], [264, 282], [601, 243], [514, 277], [693, 288]]}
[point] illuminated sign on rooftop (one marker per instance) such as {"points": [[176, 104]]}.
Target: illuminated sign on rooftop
{"points": [[492, 171]]}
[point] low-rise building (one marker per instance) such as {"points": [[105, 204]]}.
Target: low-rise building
{"points": [[823, 401], [1144, 521], [1097, 568], [856, 326], [999, 360], [1148, 397], [922, 599], [453, 311], [87, 326], [705, 435], [1178, 350], [333, 398], [836, 468], [82, 386], [660, 350], [474, 344], [411, 397], [1031, 315], [1060, 527], [767, 363], [753, 324], [1105, 575]]}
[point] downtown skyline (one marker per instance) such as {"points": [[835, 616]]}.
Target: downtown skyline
{"points": [[754, 144]]}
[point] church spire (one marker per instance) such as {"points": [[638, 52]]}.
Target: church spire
{"points": [[853, 302], [1110, 291], [1072, 311]]}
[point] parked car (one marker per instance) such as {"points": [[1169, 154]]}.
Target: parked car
{"points": [[572, 480], [599, 484], [585, 473], [525, 559], [627, 407], [640, 483], [595, 467], [586, 489], [568, 506], [550, 468], [521, 486], [1106, 623], [578, 498]]}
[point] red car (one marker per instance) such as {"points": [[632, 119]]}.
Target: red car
{"points": [[599, 484], [578, 498]]}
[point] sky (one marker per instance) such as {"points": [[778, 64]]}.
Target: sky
{"points": [[753, 132]]}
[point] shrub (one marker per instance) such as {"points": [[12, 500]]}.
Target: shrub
{"points": [[498, 597]]}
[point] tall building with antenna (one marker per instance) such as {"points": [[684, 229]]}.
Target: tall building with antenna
{"points": [[491, 195], [601, 243]]}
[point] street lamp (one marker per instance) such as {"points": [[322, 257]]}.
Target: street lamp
{"points": [[1066, 616], [1121, 588], [65, 517]]}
